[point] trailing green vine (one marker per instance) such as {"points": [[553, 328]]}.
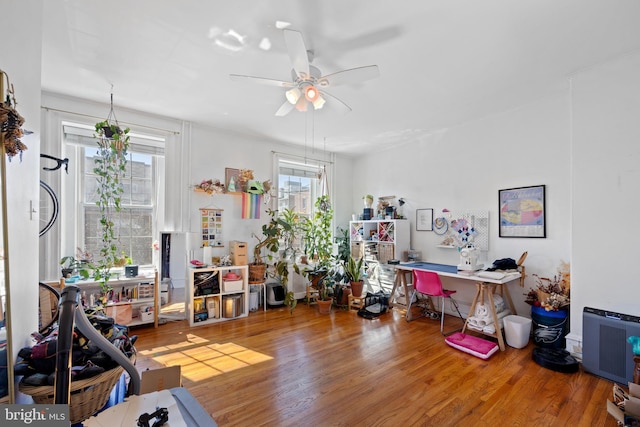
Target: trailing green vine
{"points": [[110, 169]]}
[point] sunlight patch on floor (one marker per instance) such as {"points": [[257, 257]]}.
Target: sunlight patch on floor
{"points": [[200, 360], [190, 342]]}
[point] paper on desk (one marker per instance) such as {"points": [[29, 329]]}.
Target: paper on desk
{"points": [[128, 412]]}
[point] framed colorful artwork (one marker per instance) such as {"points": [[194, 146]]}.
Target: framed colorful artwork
{"points": [[522, 212], [231, 180]]}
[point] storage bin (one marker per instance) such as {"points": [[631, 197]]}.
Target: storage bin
{"points": [[145, 290], [517, 330], [549, 327], [232, 305], [121, 313], [232, 285], [146, 314]]}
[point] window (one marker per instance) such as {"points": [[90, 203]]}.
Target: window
{"points": [[298, 186], [299, 183], [135, 224]]}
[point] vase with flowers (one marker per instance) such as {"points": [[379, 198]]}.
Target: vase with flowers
{"points": [[550, 301], [552, 293]]}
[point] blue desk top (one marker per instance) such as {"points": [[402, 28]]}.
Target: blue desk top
{"points": [[434, 267]]}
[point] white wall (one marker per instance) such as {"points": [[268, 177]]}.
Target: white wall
{"points": [[20, 57], [606, 187], [212, 150], [463, 168], [583, 144], [193, 153]]}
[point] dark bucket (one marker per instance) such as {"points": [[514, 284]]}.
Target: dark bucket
{"points": [[549, 327]]}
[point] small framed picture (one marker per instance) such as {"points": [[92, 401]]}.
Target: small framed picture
{"points": [[522, 212], [424, 219], [231, 180]]}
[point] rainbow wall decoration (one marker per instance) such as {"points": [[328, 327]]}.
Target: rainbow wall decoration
{"points": [[251, 206]]}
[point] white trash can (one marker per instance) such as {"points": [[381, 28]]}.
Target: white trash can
{"points": [[517, 330], [253, 300]]}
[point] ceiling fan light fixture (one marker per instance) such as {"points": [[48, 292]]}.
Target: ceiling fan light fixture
{"points": [[301, 105], [319, 103], [293, 95], [311, 93]]}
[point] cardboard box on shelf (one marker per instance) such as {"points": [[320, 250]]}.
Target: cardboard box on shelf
{"points": [[239, 253]]}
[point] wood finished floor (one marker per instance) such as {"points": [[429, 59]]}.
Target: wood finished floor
{"points": [[277, 369]]}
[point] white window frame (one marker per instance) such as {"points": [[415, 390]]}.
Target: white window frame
{"points": [[83, 135]]}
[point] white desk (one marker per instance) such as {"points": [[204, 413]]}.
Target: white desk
{"points": [[484, 286]]}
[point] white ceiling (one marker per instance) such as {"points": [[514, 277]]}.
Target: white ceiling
{"points": [[442, 62]]}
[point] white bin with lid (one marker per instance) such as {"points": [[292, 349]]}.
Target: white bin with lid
{"points": [[517, 330]]}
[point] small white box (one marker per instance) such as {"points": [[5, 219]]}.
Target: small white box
{"points": [[146, 316], [232, 285]]}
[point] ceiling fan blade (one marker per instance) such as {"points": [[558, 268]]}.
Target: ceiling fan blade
{"points": [[260, 80], [336, 103], [352, 75], [284, 109], [297, 51]]}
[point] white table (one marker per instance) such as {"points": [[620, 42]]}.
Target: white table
{"points": [[484, 285]]}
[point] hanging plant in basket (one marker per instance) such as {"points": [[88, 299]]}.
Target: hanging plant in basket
{"points": [[110, 169]]}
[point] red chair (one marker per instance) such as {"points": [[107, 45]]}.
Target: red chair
{"points": [[429, 283]]}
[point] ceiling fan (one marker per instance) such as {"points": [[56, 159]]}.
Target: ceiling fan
{"points": [[308, 84]]}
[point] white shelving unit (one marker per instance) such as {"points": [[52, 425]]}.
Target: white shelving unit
{"points": [[130, 294], [212, 299], [379, 239]]}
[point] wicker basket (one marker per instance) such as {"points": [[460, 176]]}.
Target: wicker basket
{"points": [[87, 396]]}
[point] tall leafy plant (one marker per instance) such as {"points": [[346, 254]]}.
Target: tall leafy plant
{"points": [[110, 169], [318, 238], [318, 246]]}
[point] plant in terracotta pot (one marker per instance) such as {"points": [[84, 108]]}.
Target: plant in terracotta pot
{"points": [[325, 294], [270, 240], [354, 271]]}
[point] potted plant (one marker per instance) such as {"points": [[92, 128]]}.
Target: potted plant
{"points": [[277, 230], [71, 265], [80, 264], [269, 239], [110, 169], [325, 295], [368, 200], [354, 272], [318, 243]]}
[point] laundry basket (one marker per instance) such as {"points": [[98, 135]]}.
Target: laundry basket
{"points": [[88, 396]]}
